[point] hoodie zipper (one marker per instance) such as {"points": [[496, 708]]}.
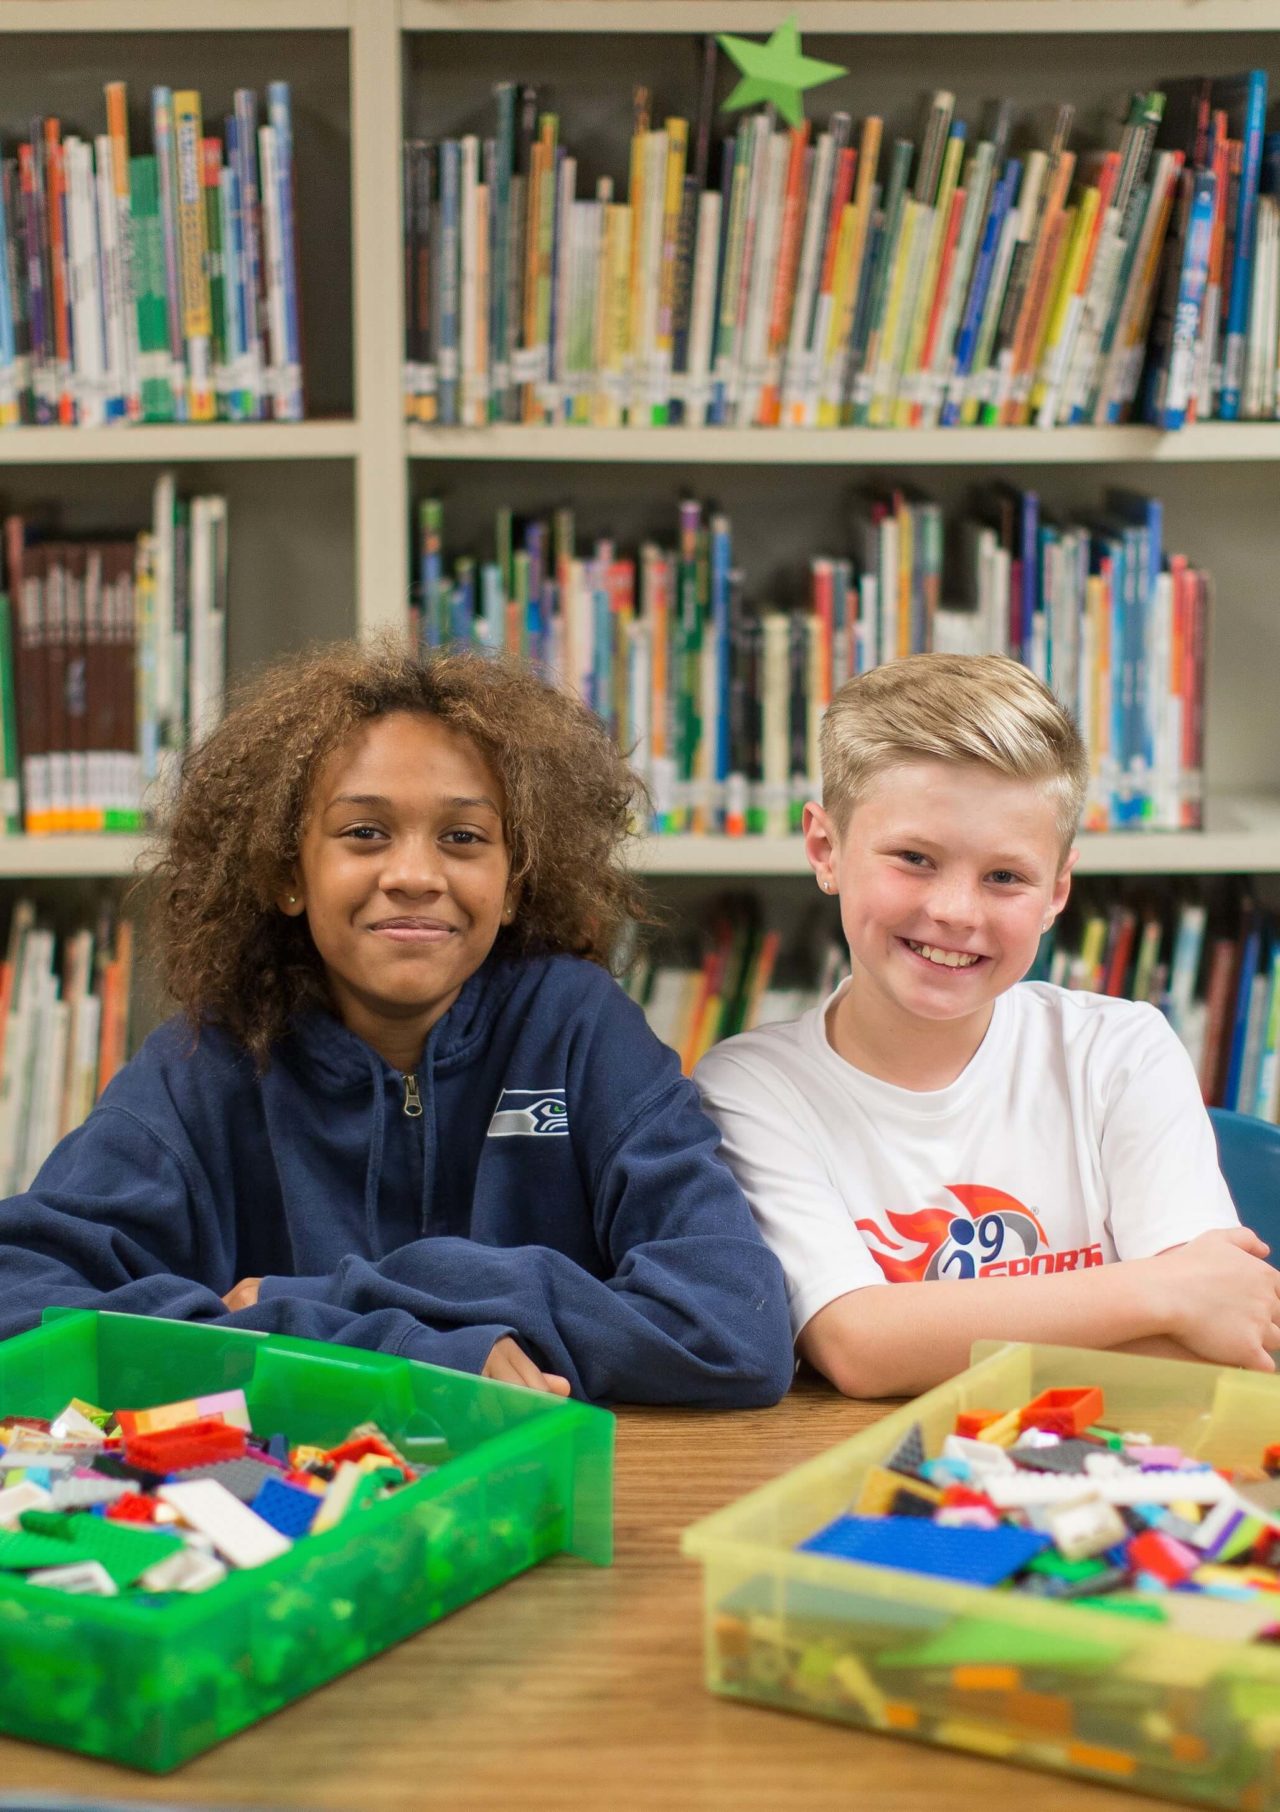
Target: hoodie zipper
{"points": [[412, 1099]]}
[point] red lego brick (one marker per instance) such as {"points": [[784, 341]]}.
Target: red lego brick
{"points": [[132, 1508], [193, 1444], [366, 1444], [1063, 1412], [971, 1422], [1160, 1555]]}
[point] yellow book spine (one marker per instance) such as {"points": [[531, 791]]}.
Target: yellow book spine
{"points": [[1057, 287], [923, 300], [1086, 214], [193, 255], [877, 414], [841, 314], [677, 149], [635, 260]]}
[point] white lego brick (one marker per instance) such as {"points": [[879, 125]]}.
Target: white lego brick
{"points": [[981, 1456], [188, 1571], [337, 1499], [1017, 1491], [19, 1498], [84, 1577], [1080, 1531], [72, 1426], [236, 1532]]}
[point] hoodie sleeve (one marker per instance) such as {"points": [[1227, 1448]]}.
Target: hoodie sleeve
{"points": [[122, 1217], [694, 1311]]}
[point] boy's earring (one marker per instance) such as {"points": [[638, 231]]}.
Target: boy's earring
{"points": [[293, 899]]}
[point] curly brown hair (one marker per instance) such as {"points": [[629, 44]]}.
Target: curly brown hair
{"points": [[225, 951]]}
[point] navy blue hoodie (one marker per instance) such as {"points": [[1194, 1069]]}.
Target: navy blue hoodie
{"points": [[547, 1173]]}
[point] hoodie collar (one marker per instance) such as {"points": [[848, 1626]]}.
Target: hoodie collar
{"points": [[338, 1059]]}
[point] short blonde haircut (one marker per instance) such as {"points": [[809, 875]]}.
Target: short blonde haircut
{"points": [[982, 708]]}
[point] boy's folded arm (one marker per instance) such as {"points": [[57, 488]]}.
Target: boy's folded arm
{"points": [[694, 1311], [906, 1337], [1213, 1298]]}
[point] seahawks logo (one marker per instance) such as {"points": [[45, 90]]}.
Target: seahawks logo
{"points": [[533, 1112]]}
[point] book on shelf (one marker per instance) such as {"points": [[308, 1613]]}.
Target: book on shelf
{"points": [[152, 285], [841, 276], [718, 696], [1212, 967], [112, 659], [64, 1026]]}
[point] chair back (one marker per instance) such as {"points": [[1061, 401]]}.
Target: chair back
{"points": [[1249, 1154]]}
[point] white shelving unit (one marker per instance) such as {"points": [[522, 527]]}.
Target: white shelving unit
{"points": [[321, 510]]}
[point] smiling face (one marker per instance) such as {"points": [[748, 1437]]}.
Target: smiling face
{"points": [[403, 874], [947, 874]]}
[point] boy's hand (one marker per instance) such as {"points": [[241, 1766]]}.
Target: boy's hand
{"points": [[245, 1294], [509, 1365], [1221, 1299]]}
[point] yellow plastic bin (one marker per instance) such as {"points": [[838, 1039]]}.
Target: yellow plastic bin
{"points": [[1092, 1692]]}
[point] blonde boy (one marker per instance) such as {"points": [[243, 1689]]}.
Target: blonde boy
{"points": [[940, 1120]]}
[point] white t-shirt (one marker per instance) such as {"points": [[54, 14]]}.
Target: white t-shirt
{"points": [[1074, 1136]]}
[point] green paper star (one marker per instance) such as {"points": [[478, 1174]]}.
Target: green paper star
{"points": [[777, 72]]}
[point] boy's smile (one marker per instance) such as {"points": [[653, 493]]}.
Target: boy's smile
{"points": [[402, 872], [947, 874]]}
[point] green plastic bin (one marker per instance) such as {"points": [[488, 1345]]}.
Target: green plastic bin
{"points": [[152, 1682], [1092, 1692]]}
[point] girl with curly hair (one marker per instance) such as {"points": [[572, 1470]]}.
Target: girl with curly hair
{"points": [[405, 1106]]}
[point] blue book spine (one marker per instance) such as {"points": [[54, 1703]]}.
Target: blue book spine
{"points": [[246, 167], [971, 322], [1237, 326], [448, 276], [1029, 554], [1191, 290], [602, 650], [235, 291], [280, 113], [462, 611], [493, 607], [1145, 519], [1240, 1025]]}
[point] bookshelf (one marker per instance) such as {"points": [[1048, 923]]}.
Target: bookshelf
{"points": [[321, 510]]}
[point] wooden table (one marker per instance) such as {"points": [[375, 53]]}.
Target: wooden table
{"points": [[578, 1687]]}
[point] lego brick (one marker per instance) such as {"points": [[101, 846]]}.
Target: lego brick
{"points": [[338, 1498], [20, 1551], [286, 1508], [1152, 1552], [72, 1425], [18, 1498], [82, 1493], [243, 1478], [1083, 1530], [1003, 1431], [186, 1571], [124, 1550], [85, 1578], [228, 1406], [1017, 1490], [975, 1556], [971, 1422], [238, 1535], [1064, 1412], [193, 1444], [881, 1487], [978, 1456], [1069, 1455], [908, 1456]]}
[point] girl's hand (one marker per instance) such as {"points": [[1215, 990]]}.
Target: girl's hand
{"points": [[244, 1295], [509, 1365], [1220, 1298]]}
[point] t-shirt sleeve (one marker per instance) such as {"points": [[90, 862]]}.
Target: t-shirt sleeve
{"points": [[1159, 1155], [779, 1159]]}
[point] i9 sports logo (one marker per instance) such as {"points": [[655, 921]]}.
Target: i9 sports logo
{"points": [[990, 1234]]}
